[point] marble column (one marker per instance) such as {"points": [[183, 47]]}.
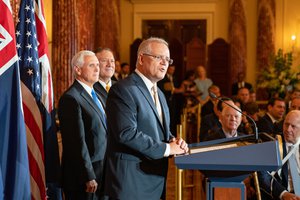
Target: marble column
{"points": [[78, 25], [237, 38], [266, 32]]}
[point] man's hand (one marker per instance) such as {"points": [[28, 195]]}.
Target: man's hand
{"points": [[91, 186], [178, 146], [290, 196]]}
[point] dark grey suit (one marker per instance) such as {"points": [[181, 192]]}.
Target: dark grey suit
{"points": [[84, 140], [101, 91], [136, 166]]}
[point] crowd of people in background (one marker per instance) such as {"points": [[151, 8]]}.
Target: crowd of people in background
{"points": [[115, 126], [222, 117], [112, 119]]}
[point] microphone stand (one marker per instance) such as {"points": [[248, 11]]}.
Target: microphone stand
{"points": [[212, 95]]}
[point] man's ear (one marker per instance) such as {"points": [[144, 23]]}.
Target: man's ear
{"points": [[269, 107], [77, 70], [140, 59]]}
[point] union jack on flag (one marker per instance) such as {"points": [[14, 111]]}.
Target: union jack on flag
{"points": [[37, 94]]}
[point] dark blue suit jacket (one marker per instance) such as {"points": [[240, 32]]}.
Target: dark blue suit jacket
{"points": [[136, 166], [265, 124], [101, 91], [218, 134], [279, 182], [209, 123], [83, 133]]}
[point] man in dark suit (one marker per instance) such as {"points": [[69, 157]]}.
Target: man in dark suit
{"points": [[139, 139], [208, 107], [83, 130], [230, 120], [211, 122], [280, 186], [107, 68], [295, 104], [240, 84], [270, 122], [243, 97]]}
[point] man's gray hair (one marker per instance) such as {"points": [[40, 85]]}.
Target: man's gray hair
{"points": [[145, 46], [78, 59]]}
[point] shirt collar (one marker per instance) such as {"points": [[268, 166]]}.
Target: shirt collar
{"points": [[229, 135], [87, 88], [147, 82], [272, 118], [104, 84]]}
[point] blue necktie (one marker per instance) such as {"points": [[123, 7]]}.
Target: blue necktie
{"points": [[97, 101], [295, 175]]}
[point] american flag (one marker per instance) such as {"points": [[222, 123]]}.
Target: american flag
{"points": [[37, 93], [14, 169]]}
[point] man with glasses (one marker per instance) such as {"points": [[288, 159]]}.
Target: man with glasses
{"points": [[284, 184], [139, 137]]}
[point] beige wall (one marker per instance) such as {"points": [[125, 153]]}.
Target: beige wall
{"points": [[126, 30], [216, 11], [288, 24], [251, 18], [48, 17]]}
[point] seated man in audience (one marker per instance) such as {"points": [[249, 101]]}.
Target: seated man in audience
{"points": [[295, 104], [295, 93], [208, 107], [240, 84], [251, 109], [230, 119], [252, 96], [211, 121], [281, 185], [270, 122], [243, 96]]}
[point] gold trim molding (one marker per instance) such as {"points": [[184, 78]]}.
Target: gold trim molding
{"points": [[171, 1]]}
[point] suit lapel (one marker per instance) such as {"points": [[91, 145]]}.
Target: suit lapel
{"points": [[101, 92], [284, 172], [90, 101], [164, 108], [144, 90]]}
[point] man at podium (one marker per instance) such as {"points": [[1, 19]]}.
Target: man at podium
{"points": [[285, 184]]}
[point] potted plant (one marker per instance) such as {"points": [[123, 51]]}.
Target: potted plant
{"points": [[279, 78]]}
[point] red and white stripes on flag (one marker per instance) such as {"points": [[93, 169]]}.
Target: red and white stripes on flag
{"points": [[31, 40], [34, 132]]}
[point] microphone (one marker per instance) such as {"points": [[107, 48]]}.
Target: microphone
{"points": [[214, 96]]}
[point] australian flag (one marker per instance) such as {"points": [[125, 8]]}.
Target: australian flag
{"points": [[14, 169]]}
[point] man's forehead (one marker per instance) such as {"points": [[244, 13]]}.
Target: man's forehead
{"points": [[279, 103]]}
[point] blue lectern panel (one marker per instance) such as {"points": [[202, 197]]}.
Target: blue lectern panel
{"points": [[252, 157]]}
